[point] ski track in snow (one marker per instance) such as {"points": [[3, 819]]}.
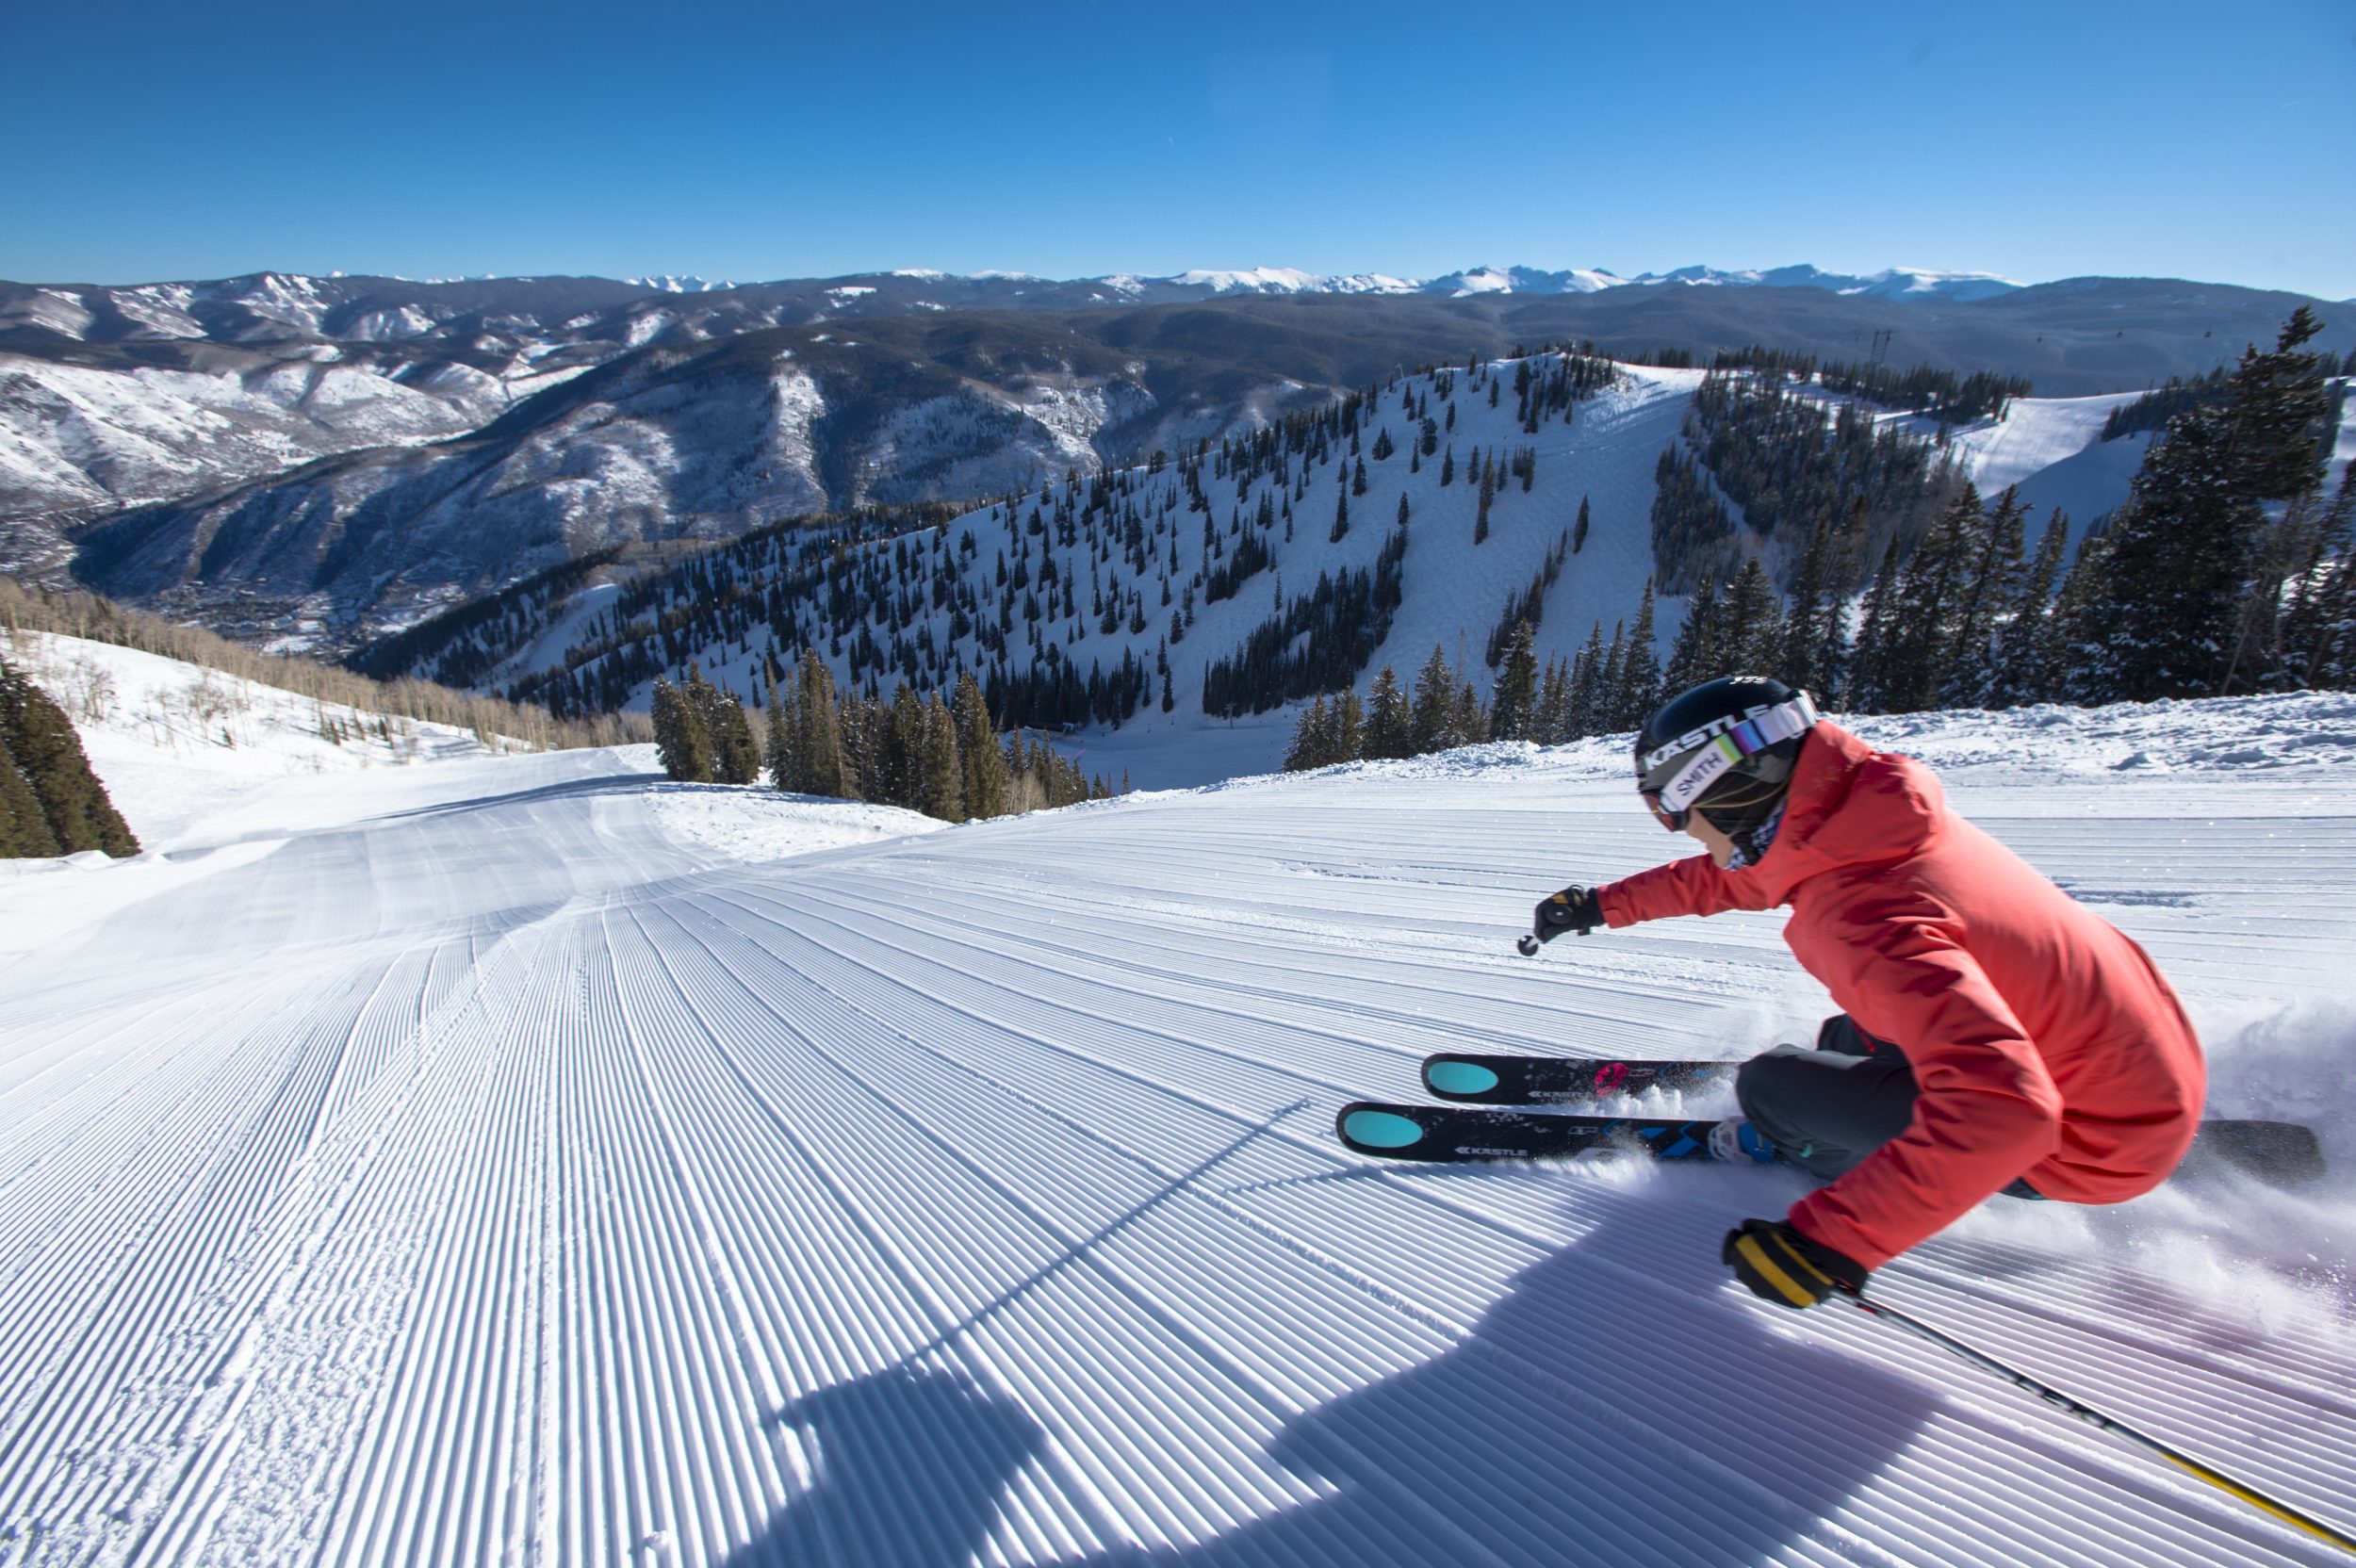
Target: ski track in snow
{"points": [[488, 1177]]}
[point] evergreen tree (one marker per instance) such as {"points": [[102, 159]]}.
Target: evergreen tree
{"points": [[2316, 621], [46, 754], [1612, 684], [1312, 744], [1750, 626], [2183, 607], [819, 745], [2282, 414], [1801, 661], [1867, 686], [2027, 663], [1993, 589], [23, 829], [777, 740], [681, 737], [735, 760], [2327, 647], [1390, 720], [1922, 633], [941, 779], [1553, 724], [1694, 658], [2175, 559], [1590, 706], [1436, 702], [2076, 625], [1513, 706], [1350, 728], [901, 769], [984, 764], [1640, 670], [1468, 725], [1579, 530], [1341, 519], [1448, 464]]}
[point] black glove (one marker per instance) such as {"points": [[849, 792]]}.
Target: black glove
{"points": [[1572, 909], [1781, 1265]]}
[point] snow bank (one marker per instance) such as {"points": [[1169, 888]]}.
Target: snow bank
{"points": [[752, 822]]}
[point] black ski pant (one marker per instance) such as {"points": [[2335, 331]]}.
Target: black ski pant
{"points": [[1825, 1109]]}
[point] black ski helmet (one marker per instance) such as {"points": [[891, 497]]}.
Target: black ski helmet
{"points": [[1728, 742]]}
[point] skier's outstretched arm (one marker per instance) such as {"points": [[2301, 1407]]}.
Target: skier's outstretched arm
{"points": [[1694, 886]]}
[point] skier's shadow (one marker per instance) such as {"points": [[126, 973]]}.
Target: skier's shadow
{"points": [[911, 1464], [1619, 1403]]}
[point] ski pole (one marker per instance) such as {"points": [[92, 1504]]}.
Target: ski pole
{"points": [[2093, 1417]]}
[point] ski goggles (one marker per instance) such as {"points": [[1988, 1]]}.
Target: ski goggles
{"points": [[1755, 732]]}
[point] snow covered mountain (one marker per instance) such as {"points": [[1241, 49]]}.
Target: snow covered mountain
{"points": [[526, 1160], [319, 458], [1149, 578]]}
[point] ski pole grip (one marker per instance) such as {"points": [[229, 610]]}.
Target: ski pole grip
{"points": [[1528, 945]]}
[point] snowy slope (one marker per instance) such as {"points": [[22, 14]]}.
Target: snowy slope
{"points": [[2052, 450], [179, 743], [487, 1174]]}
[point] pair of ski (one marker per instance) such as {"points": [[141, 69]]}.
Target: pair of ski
{"points": [[1461, 1132], [1472, 1128]]}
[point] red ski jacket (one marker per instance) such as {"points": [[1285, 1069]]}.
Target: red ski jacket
{"points": [[2044, 1042]]}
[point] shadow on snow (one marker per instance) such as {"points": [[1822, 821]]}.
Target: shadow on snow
{"points": [[1587, 1418]]}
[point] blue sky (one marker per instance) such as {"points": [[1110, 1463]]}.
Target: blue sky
{"points": [[749, 141]]}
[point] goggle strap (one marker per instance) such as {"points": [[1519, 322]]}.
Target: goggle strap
{"points": [[1748, 739]]}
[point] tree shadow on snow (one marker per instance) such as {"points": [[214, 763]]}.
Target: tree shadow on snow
{"points": [[604, 784], [1618, 1404]]}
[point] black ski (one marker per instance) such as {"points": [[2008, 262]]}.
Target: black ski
{"points": [[1450, 1132], [1476, 1080], [2280, 1154]]}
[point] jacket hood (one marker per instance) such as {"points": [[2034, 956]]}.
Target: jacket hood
{"points": [[1849, 805]]}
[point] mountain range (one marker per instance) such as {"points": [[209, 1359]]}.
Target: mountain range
{"points": [[321, 459], [270, 305]]}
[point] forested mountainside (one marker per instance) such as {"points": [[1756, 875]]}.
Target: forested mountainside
{"points": [[1499, 516], [314, 461], [1437, 509]]}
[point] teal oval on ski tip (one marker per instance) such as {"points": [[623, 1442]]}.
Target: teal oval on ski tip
{"points": [[1381, 1130], [1458, 1078]]}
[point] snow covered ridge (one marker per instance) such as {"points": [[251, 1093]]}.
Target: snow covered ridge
{"points": [[2222, 735], [2287, 736], [467, 1163]]}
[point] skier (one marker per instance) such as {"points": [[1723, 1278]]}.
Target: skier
{"points": [[1994, 1035]]}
